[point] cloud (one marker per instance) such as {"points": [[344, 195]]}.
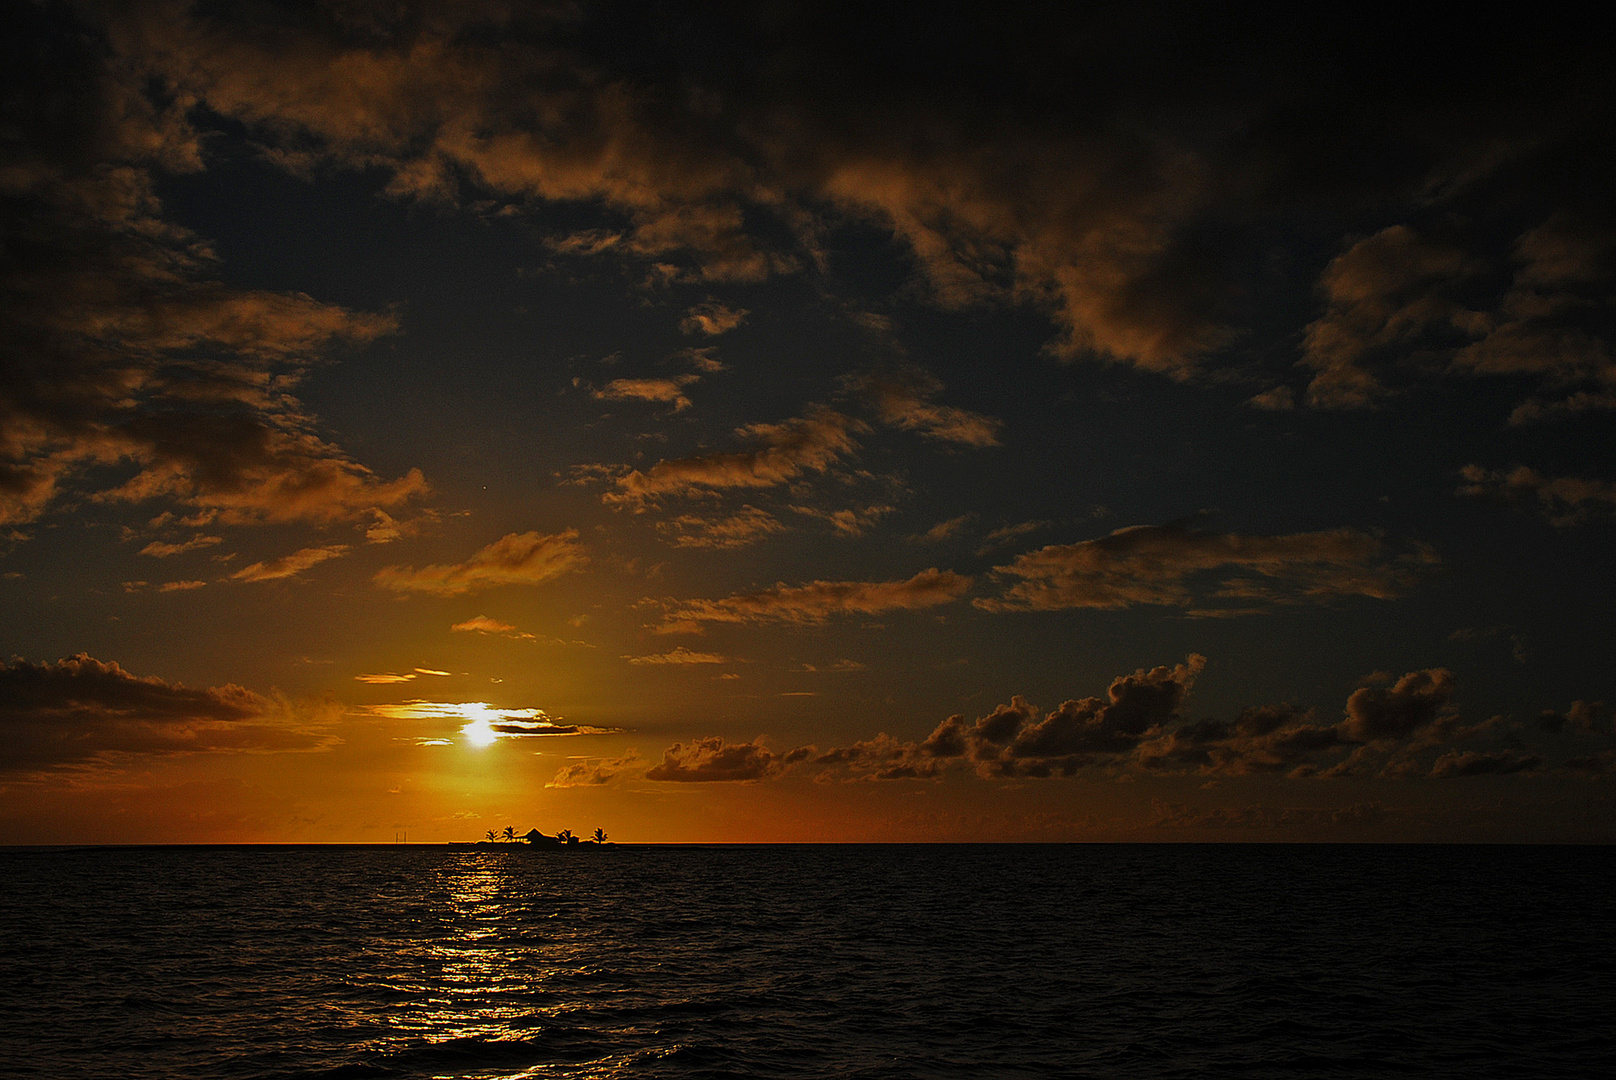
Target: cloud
{"points": [[1563, 500], [1002, 179], [1015, 741], [836, 666], [478, 721], [1551, 324], [159, 550], [680, 655], [945, 530], [1384, 294], [783, 451], [515, 559], [746, 526], [1587, 716], [903, 400], [289, 565], [1171, 565], [127, 357], [482, 624], [595, 772], [82, 712], [819, 600], [391, 678], [1007, 533], [1476, 763], [703, 359], [848, 522], [665, 391], [1418, 698], [1399, 302], [714, 760], [384, 528], [712, 318], [1402, 729]]}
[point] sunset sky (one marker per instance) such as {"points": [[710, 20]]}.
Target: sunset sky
{"points": [[789, 422]]}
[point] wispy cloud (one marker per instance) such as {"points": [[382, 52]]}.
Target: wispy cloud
{"points": [[781, 452], [819, 600], [680, 655], [390, 678], [289, 565], [669, 391], [712, 318], [157, 549], [848, 522], [903, 399], [946, 530], [515, 559], [746, 526]]}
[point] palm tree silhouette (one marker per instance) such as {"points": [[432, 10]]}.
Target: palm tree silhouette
{"points": [[492, 836], [509, 834], [600, 836], [565, 836]]}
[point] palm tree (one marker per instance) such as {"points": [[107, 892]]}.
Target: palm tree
{"points": [[565, 836], [492, 836], [600, 836], [509, 834]]}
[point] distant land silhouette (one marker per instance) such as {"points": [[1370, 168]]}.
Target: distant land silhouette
{"points": [[534, 838]]}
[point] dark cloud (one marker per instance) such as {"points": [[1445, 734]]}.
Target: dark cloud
{"points": [[1478, 763], [1385, 295], [713, 759], [1407, 729], [1014, 740], [1564, 500], [1585, 716], [1177, 566], [82, 711], [124, 351], [596, 772], [1114, 172], [1418, 698]]}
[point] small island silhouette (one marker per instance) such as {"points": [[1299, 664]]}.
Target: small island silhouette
{"points": [[534, 838]]}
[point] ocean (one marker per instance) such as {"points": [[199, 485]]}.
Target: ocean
{"points": [[808, 961]]}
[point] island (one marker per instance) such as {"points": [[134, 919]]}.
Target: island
{"points": [[534, 838]]}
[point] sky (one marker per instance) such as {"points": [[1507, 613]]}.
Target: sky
{"points": [[803, 422]]}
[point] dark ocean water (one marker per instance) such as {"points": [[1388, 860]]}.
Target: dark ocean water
{"points": [[857, 961]]}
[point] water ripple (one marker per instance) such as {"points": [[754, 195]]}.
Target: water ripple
{"points": [[967, 961]]}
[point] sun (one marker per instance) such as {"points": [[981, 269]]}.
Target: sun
{"points": [[480, 732]]}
